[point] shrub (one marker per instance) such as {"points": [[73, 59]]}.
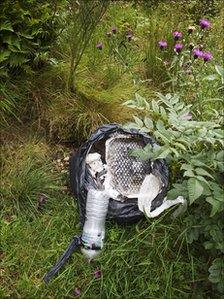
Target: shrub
{"points": [[194, 151], [27, 31]]}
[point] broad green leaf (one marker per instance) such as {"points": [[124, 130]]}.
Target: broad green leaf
{"points": [[189, 173], [186, 167], [195, 189], [203, 172], [202, 179]]}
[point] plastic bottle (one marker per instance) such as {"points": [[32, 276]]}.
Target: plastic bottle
{"points": [[94, 228]]}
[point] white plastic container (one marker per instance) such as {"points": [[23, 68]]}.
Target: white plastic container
{"points": [[94, 228]]}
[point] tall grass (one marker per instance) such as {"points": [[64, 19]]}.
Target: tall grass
{"points": [[26, 174], [147, 260]]}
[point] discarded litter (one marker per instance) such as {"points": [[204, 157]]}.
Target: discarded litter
{"points": [[109, 182]]}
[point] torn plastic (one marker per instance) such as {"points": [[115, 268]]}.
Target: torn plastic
{"points": [[118, 186], [123, 208]]}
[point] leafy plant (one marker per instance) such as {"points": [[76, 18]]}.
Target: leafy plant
{"points": [[194, 151], [27, 31]]}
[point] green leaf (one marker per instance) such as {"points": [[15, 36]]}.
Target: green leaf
{"points": [[148, 123], [186, 167], [163, 154], [155, 106], [195, 189], [6, 26], [175, 152], [160, 125], [181, 146], [4, 55], [201, 171], [189, 173], [216, 205], [217, 272], [202, 179], [163, 113], [143, 154], [138, 121]]}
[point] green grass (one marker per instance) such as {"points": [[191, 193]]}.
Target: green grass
{"points": [[147, 260], [151, 259]]}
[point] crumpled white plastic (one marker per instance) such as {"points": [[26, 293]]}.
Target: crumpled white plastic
{"points": [[150, 188]]}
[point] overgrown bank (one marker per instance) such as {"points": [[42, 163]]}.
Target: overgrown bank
{"points": [[41, 115]]}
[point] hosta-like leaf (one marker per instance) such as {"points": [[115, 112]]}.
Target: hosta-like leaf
{"points": [[195, 189]]}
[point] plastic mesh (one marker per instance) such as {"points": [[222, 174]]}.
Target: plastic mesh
{"points": [[127, 172]]}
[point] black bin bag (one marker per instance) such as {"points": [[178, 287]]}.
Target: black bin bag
{"points": [[81, 179]]}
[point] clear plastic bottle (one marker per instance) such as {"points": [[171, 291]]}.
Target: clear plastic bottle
{"points": [[94, 228]]}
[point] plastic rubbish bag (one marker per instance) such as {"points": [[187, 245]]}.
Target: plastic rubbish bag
{"points": [[123, 182], [81, 178]]}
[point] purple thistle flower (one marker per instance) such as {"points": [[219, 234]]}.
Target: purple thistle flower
{"points": [[99, 46], [114, 30], [197, 53], [77, 292], [177, 35], [178, 47], [97, 274], [162, 44], [205, 24], [207, 56]]}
